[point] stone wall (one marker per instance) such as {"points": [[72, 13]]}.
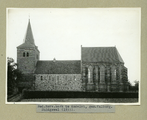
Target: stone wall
{"points": [[103, 77], [26, 64], [58, 82]]}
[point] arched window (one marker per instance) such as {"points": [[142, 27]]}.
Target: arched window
{"points": [[23, 54], [27, 54], [102, 74]]}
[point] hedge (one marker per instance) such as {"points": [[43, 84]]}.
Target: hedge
{"points": [[73, 94]]}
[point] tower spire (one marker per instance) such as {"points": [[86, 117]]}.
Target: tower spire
{"points": [[29, 35]]}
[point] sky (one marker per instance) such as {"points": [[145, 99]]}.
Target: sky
{"points": [[60, 32]]}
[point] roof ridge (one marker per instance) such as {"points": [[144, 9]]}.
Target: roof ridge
{"points": [[58, 60], [58, 67]]}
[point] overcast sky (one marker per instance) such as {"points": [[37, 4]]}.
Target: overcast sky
{"points": [[59, 33]]}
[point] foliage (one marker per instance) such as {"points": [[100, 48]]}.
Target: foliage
{"points": [[13, 76], [28, 94], [134, 87]]}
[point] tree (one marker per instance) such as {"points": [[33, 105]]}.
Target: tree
{"points": [[13, 76]]}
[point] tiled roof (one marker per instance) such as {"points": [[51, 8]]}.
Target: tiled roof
{"points": [[58, 67], [101, 54]]}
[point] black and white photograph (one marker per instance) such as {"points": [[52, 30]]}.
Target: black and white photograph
{"points": [[73, 55]]}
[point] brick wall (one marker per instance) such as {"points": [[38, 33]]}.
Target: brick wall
{"points": [[58, 82]]}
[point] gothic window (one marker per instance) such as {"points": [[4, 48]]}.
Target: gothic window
{"points": [[27, 54], [23, 54], [94, 73], [89, 75], [115, 73]]}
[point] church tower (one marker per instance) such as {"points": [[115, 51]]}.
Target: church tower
{"points": [[27, 53]]}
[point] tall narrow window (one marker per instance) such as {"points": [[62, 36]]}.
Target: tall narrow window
{"points": [[89, 76], [115, 73], [23, 54], [27, 54]]}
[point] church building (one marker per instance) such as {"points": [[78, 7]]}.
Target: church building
{"points": [[101, 69]]}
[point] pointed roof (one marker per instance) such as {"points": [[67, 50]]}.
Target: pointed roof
{"points": [[101, 54], [29, 39], [29, 35]]}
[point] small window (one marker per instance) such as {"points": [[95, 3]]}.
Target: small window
{"points": [[65, 77], [49, 77], [23, 54], [27, 54], [74, 77], [57, 77], [41, 78]]}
